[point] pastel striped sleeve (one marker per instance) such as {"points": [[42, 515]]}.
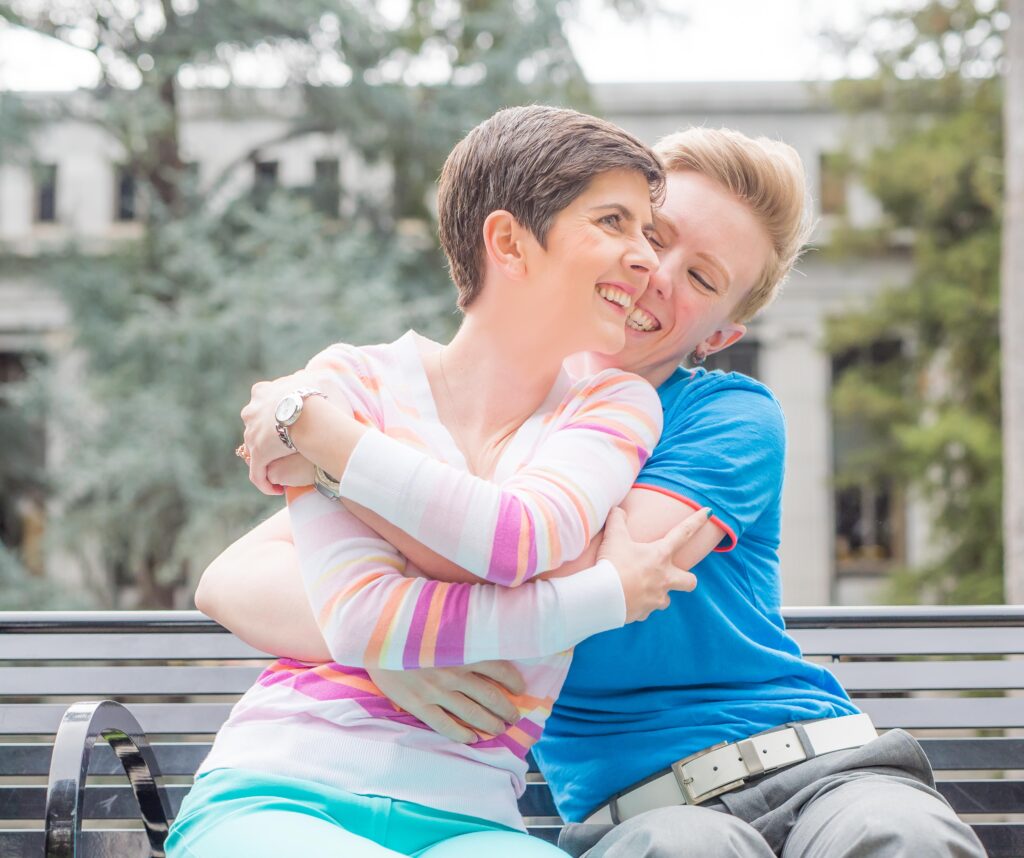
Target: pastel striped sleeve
{"points": [[542, 516], [343, 373], [371, 613]]}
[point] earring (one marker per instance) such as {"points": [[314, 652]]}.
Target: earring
{"points": [[697, 358]]}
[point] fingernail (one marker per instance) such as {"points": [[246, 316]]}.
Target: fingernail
{"points": [[707, 511]]}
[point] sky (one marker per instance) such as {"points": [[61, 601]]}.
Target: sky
{"points": [[698, 41]]}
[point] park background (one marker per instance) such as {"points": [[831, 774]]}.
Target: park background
{"points": [[198, 195]]}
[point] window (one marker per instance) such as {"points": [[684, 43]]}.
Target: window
{"points": [[870, 523], [45, 179], [327, 187], [125, 195], [739, 357], [264, 180], [832, 169]]}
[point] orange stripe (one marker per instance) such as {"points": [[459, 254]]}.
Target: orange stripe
{"points": [[554, 558], [382, 631], [523, 549], [277, 667], [428, 646], [520, 737], [343, 595], [572, 492], [331, 675], [527, 702]]}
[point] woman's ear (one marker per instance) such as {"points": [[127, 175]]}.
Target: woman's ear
{"points": [[725, 336], [504, 244]]}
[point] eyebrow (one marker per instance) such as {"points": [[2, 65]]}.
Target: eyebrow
{"points": [[625, 212], [714, 263]]}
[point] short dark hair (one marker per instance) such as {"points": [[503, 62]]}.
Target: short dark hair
{"points": [[531, 162]]}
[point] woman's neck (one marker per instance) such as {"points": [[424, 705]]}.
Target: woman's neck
{"points": [[497, 375]]}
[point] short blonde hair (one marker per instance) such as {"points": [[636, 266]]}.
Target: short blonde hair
{"points": [[765, 174]]}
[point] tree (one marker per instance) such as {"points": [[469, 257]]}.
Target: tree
{"points": [[172, 330], [932, 407], [1012, 297]]}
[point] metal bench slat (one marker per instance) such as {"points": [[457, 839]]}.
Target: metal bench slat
{"points": [[114, 801], [923, 713], [928, 675], [203, 718], [126, 843], [105, 843], [979, 753], [82, 681], [984, 796], [214, 678], [1001, 841], [32, 759], [125, 647], [915, 642], [155, 718], [183, 758]]}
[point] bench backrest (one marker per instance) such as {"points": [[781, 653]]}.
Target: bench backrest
{"points": [[951, 675]]}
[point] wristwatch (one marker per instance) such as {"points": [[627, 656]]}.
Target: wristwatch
{"points": [[326, 484], [289, 409]]}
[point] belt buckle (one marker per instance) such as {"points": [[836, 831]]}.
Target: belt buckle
{"points": [[689, 796]]}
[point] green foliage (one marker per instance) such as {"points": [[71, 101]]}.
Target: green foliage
{"points": [[170, 331], [932, 409], [171, 350], [16, 125]]}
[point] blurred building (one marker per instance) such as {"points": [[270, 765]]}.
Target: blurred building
{"points": [[838, 545]]}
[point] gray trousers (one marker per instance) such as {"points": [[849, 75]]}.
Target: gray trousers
{"points": [[877, 801]]}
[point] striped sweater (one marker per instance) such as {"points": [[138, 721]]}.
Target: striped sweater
{"points": [[555, 482]]}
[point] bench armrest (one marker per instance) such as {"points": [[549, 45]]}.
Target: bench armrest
{"points": [[81, 725]]}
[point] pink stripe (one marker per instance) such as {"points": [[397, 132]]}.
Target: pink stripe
{"points": [[607, 430], [505, 548], [451, 637], [502, 741], [321, 688], [531, 728], [414, 638]]}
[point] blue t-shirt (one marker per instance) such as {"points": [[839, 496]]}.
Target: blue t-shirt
{"points": [[717, 665]]}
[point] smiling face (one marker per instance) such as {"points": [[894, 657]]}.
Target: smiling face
{"points": [[711, 250], [595, 263]]}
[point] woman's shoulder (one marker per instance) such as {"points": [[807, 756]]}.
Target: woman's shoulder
{"points": [[615, 399], [368, 365], [612, 385], [698, 394]]}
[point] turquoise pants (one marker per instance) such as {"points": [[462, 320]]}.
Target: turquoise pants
{"points": [[233, 812]]}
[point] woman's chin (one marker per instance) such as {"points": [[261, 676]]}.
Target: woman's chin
{"points": [[611, 344]]}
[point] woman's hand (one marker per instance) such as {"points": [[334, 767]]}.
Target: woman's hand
{"points": [[646, 568], [260, 436], [458, 702], [293, 470]]}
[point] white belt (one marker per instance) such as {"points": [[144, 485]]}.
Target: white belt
{"points": [[726, 766]]}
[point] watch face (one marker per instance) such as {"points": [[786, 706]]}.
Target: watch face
{"points": [[286, 408]]}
